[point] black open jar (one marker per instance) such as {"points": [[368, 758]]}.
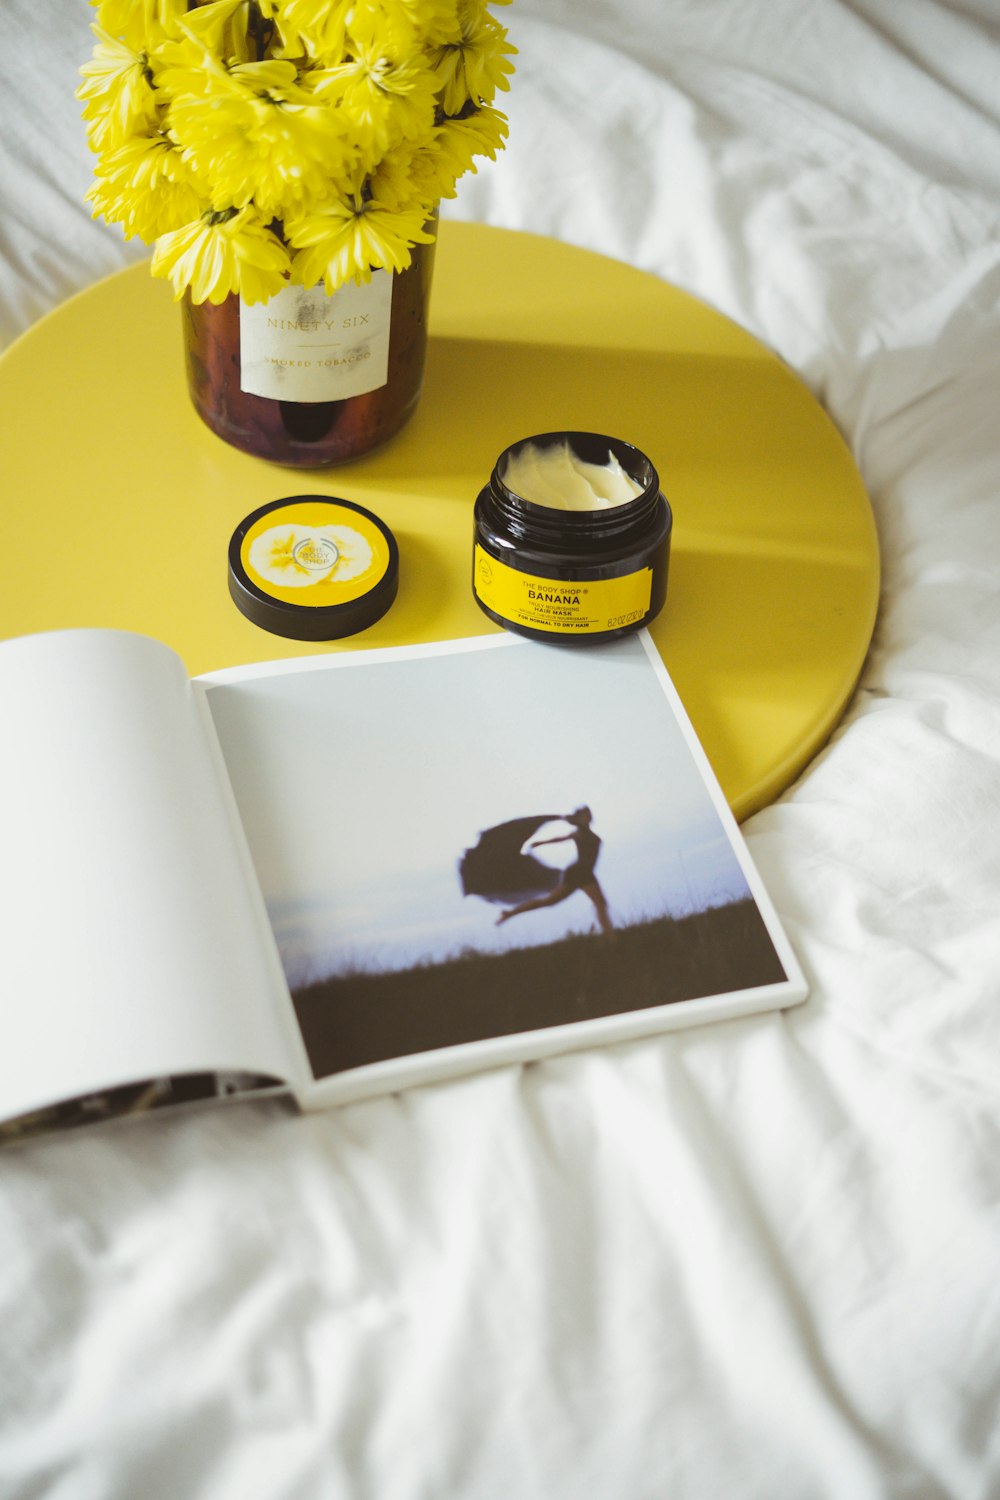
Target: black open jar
{"points": [[556, 574]]}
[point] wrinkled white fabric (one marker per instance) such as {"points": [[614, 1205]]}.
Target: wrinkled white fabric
{"points": [[758, 1260]]}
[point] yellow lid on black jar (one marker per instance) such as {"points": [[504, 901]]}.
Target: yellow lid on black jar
{"points": [[572, 574], [312, 567]]}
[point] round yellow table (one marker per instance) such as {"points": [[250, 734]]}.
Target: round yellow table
{"points": [[120, 504]]}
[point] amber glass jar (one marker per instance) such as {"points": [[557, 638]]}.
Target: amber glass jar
{"points": [[304, 357]]}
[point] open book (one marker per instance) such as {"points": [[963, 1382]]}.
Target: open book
{"points": [[352, 873]]}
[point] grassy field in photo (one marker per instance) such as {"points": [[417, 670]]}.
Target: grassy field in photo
{"points": [[365, 1016]]}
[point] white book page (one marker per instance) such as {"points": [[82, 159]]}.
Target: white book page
{"points": [[135, 944]]}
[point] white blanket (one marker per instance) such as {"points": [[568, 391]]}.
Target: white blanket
{"points": [[759, 1260]]}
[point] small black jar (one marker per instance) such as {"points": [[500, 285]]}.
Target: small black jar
{"points": [[587, 575]]}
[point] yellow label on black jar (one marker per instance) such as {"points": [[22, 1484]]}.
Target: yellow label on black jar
{"points": [[314, 553], [574, 607]]}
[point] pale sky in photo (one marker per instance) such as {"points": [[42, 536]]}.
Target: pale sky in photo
{"points": [[360, 787]]}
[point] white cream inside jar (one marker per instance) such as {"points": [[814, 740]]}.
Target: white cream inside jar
{"points": [[554, 476]]}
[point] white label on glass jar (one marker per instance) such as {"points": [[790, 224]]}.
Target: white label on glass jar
{"points": [[302, 345]]}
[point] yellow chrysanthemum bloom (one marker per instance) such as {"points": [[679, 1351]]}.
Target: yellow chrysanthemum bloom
{"points": [[184, 66], [231, 30], [137, 22], [407, 178], [320, 26], [221, 253], [210, 40], [350, 238], [475, 64], [255, 135], [386, 97], [434, 21], [147, 187], [261, 138], [459, 142], [117, 91], [403, 26]]}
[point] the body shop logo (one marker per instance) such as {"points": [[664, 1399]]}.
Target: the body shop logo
{"points": [[316, 554]]}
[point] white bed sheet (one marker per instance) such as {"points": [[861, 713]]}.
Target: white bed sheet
{"points": [[758, 1260]]}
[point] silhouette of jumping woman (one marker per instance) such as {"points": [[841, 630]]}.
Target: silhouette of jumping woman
{"points": [[579, 876]]}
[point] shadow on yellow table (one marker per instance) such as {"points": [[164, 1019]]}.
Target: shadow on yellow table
{"points": [[120, 504]]}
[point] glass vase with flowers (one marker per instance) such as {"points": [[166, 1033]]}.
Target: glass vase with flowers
{"points": [[287, 159]]}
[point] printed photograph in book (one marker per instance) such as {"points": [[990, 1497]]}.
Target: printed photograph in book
{"points": [[474, 843]]}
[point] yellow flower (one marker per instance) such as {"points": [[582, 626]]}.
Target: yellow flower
{"points": [[320, 26], [433, 20], [146, 187], [117, 91], [349, 238], [255, 135], [406, 178], [475, 64], [210, 41], [231, 30], [222, 253], [200, 61], [480, 133], [261, 139], [221, 28], [386, 97], [402, 26], [137, 22], [420, 176]]}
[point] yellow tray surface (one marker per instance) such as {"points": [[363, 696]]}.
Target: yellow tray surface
{"points": [[119, 504]]}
